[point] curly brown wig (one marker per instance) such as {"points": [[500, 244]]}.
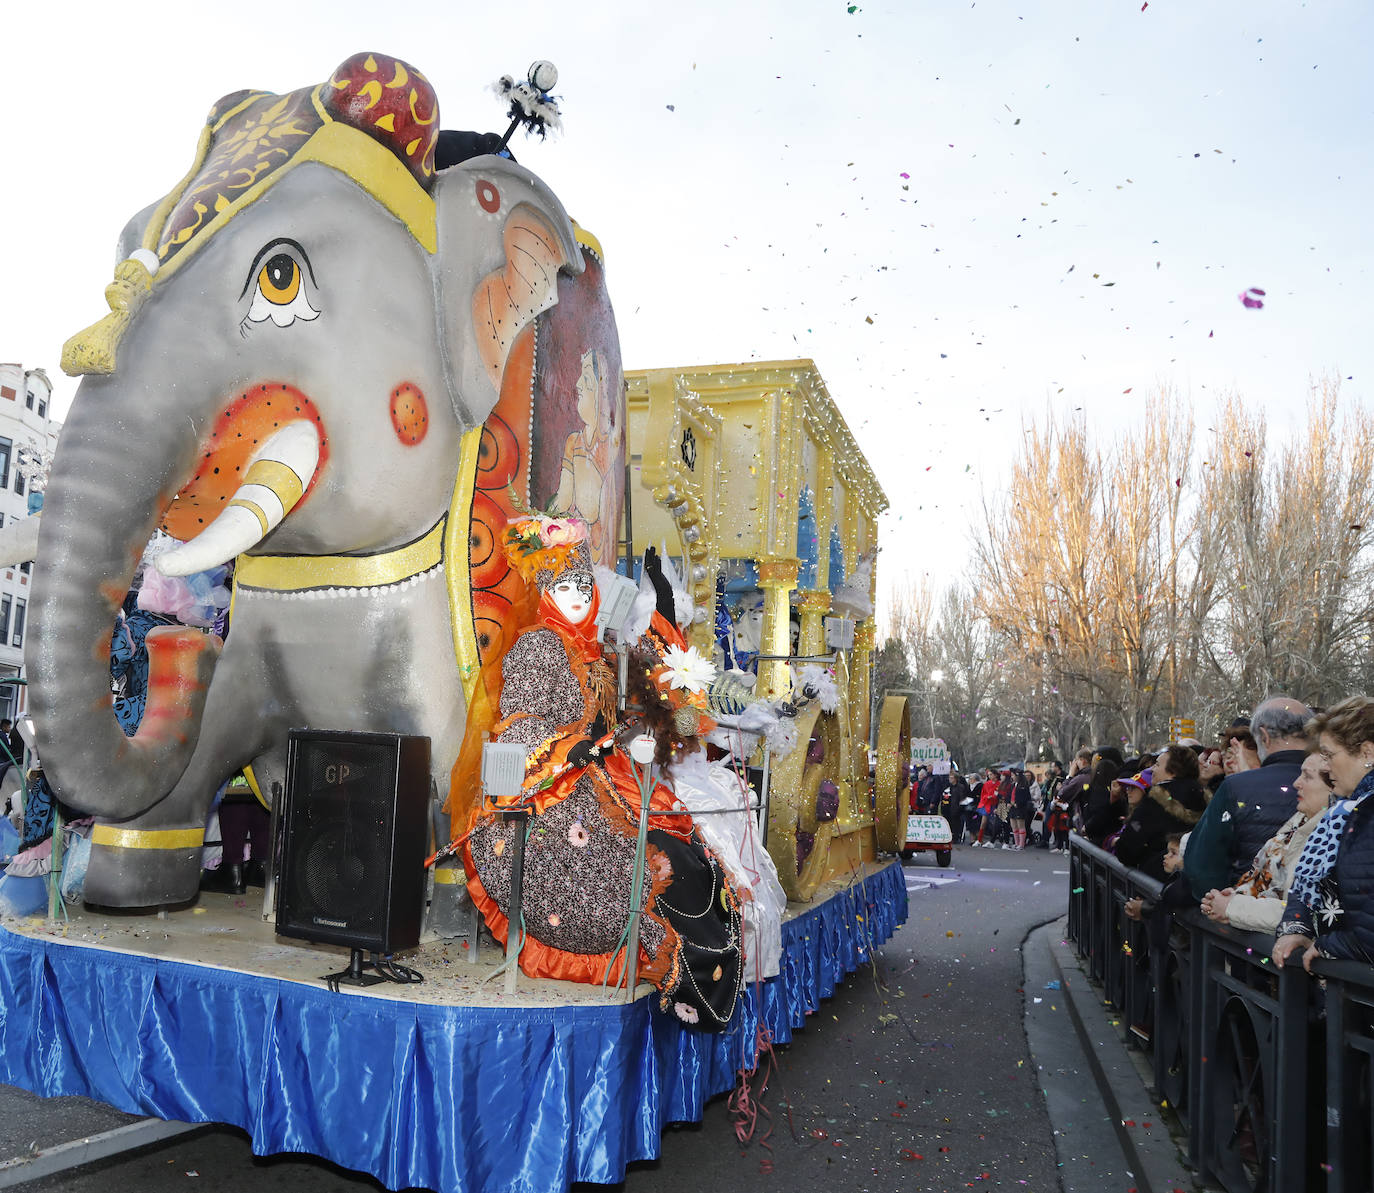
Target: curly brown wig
{"points": [[656, 712]]}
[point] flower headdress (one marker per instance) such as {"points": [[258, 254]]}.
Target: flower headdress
{"points": [[676, 680], [543, 547], [683, 678]]}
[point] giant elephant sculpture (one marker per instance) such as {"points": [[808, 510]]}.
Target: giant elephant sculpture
{"points": [[305, 339]]}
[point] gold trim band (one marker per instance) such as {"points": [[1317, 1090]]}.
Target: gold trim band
{"points": [[297, 573], [147, 838], [457, 550], [253, 783], [280, 478], [588, 241], [255, 509], [381, 174], [449, 876]]}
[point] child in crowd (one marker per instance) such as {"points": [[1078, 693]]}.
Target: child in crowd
{"points": [[1174, 895]]}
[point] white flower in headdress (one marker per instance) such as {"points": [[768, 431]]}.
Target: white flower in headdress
{"points": [[687, 669]]}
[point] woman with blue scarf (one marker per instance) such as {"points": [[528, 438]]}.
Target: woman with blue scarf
{"points": [[1326, 914]]}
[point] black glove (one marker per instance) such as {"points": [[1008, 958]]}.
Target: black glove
{"points": [[663, 591], [598, 729], [581, 754]]}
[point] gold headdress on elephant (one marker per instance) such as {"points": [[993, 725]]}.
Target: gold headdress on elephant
{"points": [[250, 140]]}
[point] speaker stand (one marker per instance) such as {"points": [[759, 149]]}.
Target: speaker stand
{"points": [[353, 975], [515, 922]]}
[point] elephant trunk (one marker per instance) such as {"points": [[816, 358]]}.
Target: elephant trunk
{"points": [[113, 475]]}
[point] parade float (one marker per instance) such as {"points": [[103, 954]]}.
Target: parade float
{"points": [[367, 372]]}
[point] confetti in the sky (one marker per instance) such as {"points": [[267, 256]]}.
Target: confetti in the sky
{"points": [[1253, 298]]}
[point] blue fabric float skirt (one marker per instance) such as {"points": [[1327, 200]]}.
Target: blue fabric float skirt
{"points": [[477, 1099]]}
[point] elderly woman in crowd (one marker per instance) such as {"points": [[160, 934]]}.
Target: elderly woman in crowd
{"points": [[1324, 915], [1255, 903]]}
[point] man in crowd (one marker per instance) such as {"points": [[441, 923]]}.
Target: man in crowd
{"points": [[952, 805], [1251, 805], [972, 819], [1075, 787], [931, 788]]}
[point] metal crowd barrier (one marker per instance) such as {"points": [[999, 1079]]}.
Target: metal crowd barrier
{"points": [[1270, 1072]]}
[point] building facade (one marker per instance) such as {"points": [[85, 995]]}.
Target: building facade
{"points": [[28, 436]]}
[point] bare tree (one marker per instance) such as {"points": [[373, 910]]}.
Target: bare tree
{"points": [[1117, 583]]}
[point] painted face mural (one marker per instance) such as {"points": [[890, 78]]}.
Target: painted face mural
{"points": [[586, 484], [538, 440]]}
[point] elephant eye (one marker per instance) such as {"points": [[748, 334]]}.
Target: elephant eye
{"points": [[277, 280]]}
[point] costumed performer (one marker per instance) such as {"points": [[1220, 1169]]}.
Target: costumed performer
{"points": [[713, 782], [558, 698]]}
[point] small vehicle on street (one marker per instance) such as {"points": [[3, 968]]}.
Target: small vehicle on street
{"points": [[928, 834]]}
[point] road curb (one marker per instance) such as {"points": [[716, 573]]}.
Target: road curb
{"points": [[1113, 1129]]}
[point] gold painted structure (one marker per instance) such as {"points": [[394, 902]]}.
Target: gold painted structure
{"points": [[891, 799], [723, 454]]}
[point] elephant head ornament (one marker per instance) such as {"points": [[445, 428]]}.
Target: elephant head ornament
{"points": [[305, 335]]}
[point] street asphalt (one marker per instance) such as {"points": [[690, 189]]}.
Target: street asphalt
{"points": [[915, 1076]]}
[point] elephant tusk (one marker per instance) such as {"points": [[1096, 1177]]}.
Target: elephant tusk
{"points": [[272, 485]]}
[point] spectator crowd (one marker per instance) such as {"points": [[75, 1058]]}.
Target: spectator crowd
{"points": [[1268, 828], [1008, 807]]}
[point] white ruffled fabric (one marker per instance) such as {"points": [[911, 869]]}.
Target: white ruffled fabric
{"points": [[822, 683], [710, 786]]}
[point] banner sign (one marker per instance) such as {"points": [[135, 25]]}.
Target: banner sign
{"points": [[928, 749]]}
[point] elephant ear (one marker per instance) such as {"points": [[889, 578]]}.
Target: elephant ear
{"points": [[503, 237]]}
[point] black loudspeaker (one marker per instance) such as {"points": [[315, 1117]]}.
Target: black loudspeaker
{"points": [[354, 829]]}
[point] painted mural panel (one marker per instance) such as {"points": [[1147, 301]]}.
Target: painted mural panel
{"points": [[556, 439]]}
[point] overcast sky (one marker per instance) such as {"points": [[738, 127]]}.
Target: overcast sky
{"points": [[1038, 205]]}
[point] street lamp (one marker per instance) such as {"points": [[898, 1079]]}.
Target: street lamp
{"points": [[937, 677]]}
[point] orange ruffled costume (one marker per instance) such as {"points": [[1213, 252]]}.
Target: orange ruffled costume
{"points": [[557, 693]]}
